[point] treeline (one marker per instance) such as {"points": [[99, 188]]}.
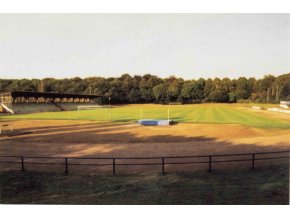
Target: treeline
{"points": [[152, 89]]}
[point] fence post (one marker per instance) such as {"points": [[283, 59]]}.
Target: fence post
{"points": [[66, 166], [22, 164], [209, 164], [114, 166], [163, 167], [253, 161]]}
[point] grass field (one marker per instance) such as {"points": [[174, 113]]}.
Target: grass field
{"points": [[201, 113], [265, 186]]}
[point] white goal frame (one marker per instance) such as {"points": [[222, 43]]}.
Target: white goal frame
{"points": [[168, 113], [88, 107]]}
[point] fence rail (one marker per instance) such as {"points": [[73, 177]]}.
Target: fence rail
{"points": [[163, 160]]}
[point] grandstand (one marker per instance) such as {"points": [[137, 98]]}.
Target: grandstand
{"points": [[20, 102]]}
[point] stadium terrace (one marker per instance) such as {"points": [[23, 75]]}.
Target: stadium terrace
{"points": [[24, 102]]}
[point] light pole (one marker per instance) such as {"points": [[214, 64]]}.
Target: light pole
{"points": [[168, 113], [109, 108]]}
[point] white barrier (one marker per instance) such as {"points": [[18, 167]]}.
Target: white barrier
{"points": [[285, 104], [258, 108], [279, 110]]}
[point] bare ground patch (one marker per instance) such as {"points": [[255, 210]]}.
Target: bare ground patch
{"points": [[91, 139]]}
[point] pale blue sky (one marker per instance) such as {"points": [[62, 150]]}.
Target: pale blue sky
{"points": [[185, 45]]}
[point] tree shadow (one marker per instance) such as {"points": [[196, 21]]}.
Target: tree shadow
{"points": [[105, 140]]}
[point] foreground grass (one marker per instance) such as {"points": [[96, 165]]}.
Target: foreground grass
{"points": [[260, 186], [201, 113]]}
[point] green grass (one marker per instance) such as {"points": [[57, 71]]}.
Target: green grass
{"points": [[202, 113], [260, 186]]}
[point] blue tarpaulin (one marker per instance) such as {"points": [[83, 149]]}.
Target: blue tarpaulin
{"points": [[152, 122]]}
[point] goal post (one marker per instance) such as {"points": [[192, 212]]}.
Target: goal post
{"points": [[90, 107], [151, 113]]}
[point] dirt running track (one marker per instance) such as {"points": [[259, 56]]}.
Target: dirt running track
{"points": [[91, 139]]}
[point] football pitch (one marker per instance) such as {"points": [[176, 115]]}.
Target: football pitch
{"points": [[199, 113], [202, 129]]}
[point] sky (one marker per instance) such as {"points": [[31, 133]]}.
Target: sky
{"points": [[108, 45]]}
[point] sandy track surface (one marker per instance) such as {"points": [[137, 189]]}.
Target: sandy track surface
{"points": [[91, 139]]}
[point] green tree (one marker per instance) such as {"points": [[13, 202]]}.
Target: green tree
{"points": [[160, 93], [219, 95]]}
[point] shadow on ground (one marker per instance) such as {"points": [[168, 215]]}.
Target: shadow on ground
{"points": [[267, 186], [118, 140]]}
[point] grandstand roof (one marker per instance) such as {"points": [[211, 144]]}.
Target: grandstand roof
{"points": [[16, 94]]}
